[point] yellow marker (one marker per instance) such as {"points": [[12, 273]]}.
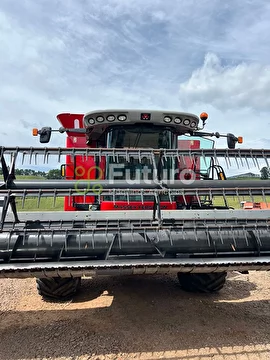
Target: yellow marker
{"points": [[221, 176], [63, 172]]}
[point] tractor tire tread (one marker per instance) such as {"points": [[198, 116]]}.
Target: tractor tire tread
{"points": [[202, 282], [58, 288]]}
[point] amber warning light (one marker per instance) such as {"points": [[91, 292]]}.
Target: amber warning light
{"points": [[204, 116], [35, 132], [240, 139]]}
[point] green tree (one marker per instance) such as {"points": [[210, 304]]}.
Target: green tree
{"points": [[265, 173], [54, 174], [19, 172]]}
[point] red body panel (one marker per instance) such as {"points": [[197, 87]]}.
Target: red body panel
{"points": [[70, 121], [78, 167]]}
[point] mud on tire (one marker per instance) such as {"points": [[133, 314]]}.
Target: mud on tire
{"points": [[58, 288], [203, 283]]}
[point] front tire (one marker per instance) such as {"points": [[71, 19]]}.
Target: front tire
{"points": [[203, 283], [58, 288]]}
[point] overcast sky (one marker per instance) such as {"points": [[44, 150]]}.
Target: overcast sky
{"points": [[78, 56]]}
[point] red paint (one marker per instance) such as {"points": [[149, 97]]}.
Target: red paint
{"points": [[78, 167], [187, 163], [256, 206], [134, 205], [67, 121]]}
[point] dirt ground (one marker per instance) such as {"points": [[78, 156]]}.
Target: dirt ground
{"points": [[145, 317]]}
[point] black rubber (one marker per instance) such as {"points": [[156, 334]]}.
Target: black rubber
{"points": [[203, 283], [58, 288]]}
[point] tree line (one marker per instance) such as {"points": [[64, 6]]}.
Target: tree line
{"points": [[265, 173], [51, 174]]}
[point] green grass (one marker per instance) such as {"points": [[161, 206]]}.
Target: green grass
{"points": [[234, 202], [244, 178], [46, 204], [31, 204], [29, 177]]}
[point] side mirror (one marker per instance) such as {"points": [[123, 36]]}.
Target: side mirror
{"points": [[232, 140], [45, 134]]}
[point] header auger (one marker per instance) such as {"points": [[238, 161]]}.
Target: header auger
{"points": [[144, 192]]}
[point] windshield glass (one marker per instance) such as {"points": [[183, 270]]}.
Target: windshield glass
{"points": [[135, 170], [143, 136]]}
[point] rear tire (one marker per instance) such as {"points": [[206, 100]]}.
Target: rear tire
{"points": [[58, 288], [203, 283]]}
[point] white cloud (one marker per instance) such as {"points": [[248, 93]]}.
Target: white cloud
{"points": [[244, 86]]}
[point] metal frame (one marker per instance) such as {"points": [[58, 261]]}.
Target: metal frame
{"points": [[190, 215], [70, 243], [132, 267], [241, 157]]}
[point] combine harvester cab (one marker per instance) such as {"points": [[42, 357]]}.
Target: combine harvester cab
{"points": [[144, 193]]}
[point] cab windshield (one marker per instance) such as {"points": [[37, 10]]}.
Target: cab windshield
{"points": [[148, 137], [140, 136], [143, 136]]}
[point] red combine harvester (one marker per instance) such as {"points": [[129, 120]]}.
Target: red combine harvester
{"points": [[139, 189], [81, 168]]}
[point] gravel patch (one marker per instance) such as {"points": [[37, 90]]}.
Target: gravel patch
{"points": [[144, 317]]}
